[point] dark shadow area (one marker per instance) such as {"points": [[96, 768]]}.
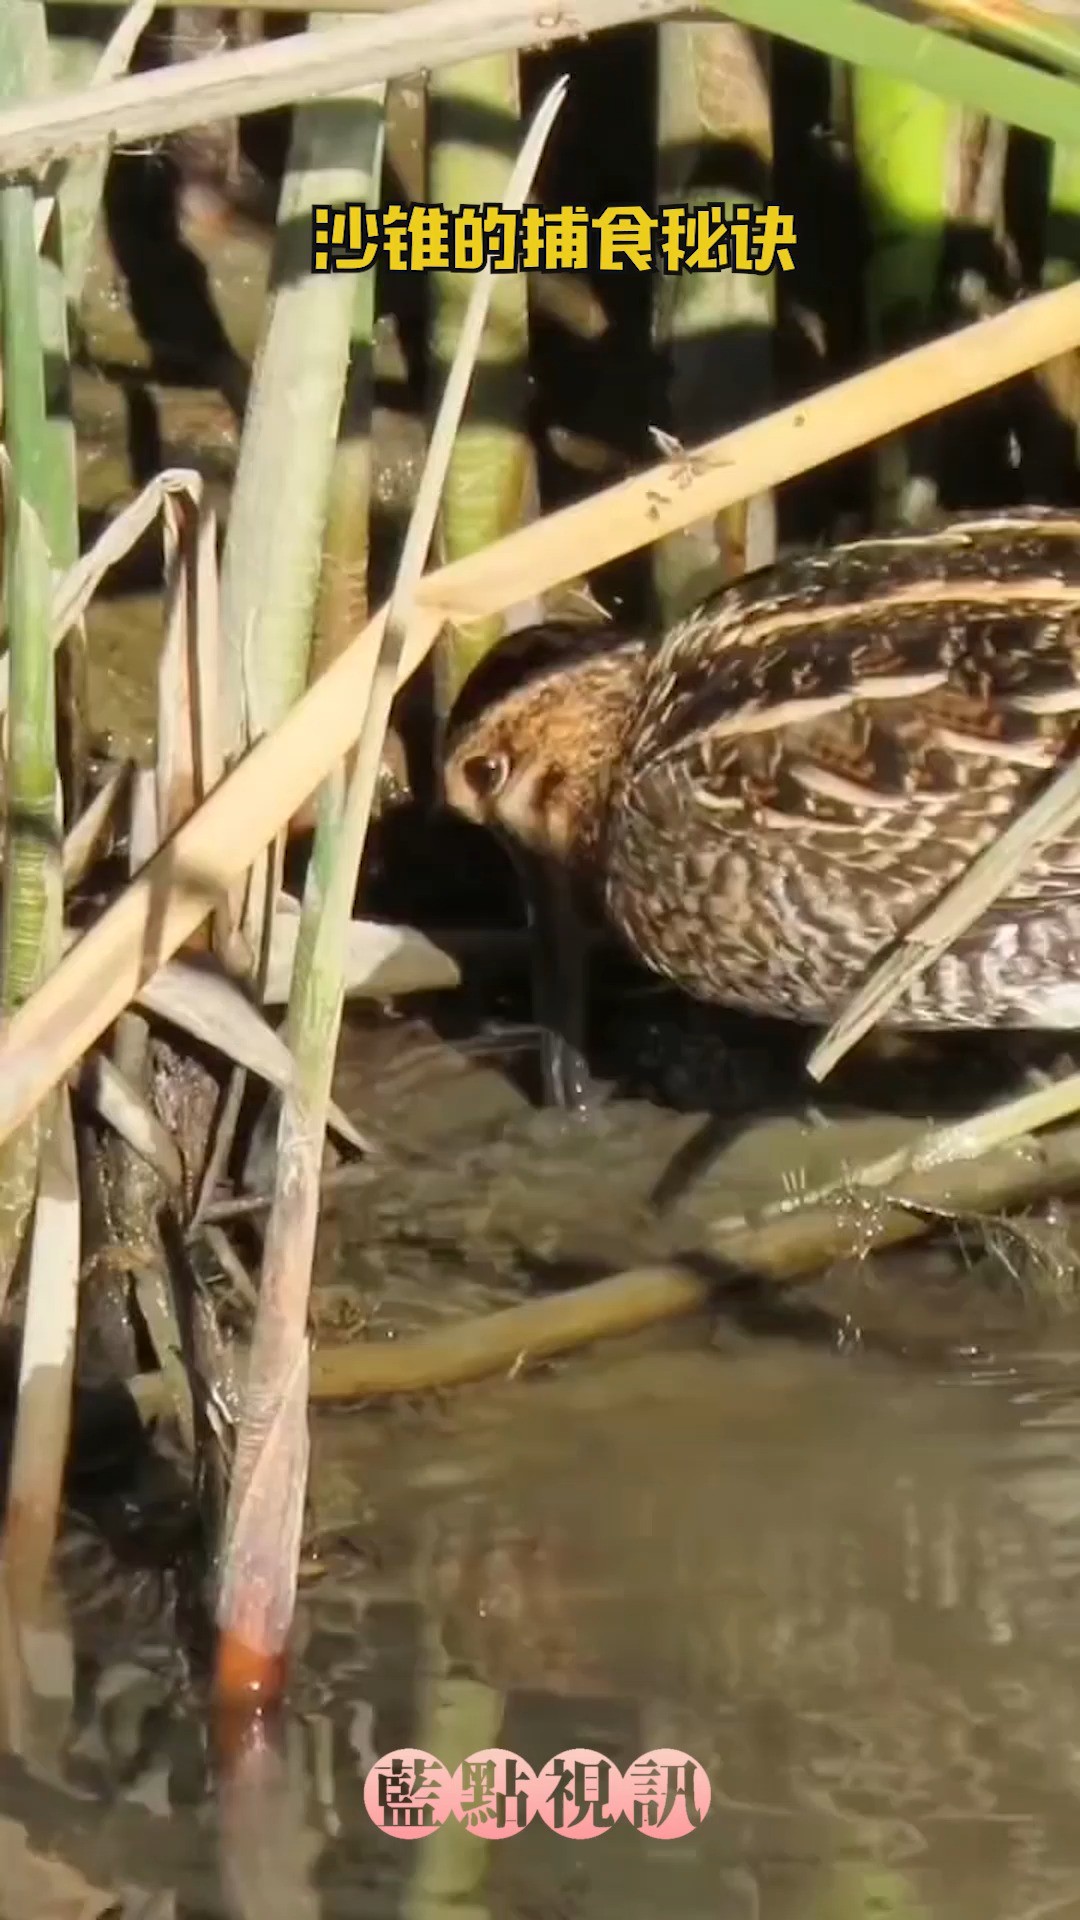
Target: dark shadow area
{"points": [[167, 284], [596, 388], [123, 1497]]}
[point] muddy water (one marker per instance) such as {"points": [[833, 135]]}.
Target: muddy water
{"points": [[848, 1591], [832, 1552], [847, 1584]]}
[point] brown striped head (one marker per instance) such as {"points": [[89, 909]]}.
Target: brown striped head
{"points": [[535, 734]]}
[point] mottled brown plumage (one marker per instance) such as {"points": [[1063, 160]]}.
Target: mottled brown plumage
{"points": [[768, 799]]}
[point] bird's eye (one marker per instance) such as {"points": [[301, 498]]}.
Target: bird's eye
{"points": [[487, 774]]}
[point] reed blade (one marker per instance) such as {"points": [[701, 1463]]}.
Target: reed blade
{"points": [[474, 111], [270, 566], [31, 907]]}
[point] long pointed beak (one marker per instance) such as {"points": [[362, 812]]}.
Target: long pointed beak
{"points": [[559, 970]]}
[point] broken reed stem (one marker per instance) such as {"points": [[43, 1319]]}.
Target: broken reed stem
{"points": [[266, 1499], [76, 588], [172, 895]]}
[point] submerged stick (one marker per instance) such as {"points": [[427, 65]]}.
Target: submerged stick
{"points": [[791, 1246], [181, 885]]}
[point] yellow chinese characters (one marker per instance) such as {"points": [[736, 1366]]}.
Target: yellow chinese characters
{"points": [[675, 239]]}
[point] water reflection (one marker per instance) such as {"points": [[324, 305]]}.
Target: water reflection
{"points": [[847, 1585]]}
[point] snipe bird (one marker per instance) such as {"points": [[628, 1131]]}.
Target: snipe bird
{"points": [[762, 802]]}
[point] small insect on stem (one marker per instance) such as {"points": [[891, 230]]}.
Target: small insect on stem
{"points": [[686, 467]]}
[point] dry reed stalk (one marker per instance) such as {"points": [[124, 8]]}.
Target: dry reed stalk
{"points": [[971, 1139], [77, 587], [46, 1369], [104, 1089], [189, 760], [260, 1555], [1033, 30], [447, 30], [300, 67], [83, 842], [164, 1087], [166, 901], [444, 31]]}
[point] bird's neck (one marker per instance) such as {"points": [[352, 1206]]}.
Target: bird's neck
{"points": [[609, 703]]}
